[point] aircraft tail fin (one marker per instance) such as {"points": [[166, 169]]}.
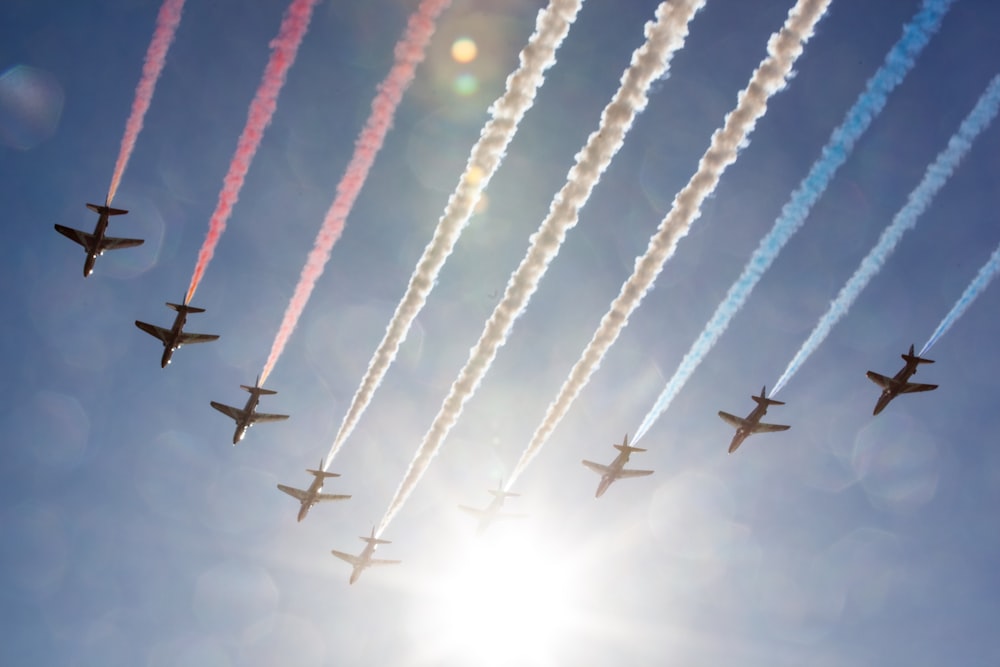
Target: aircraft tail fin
{"points": [[261, 391], [184, 308], [911, 358], [106, 210], [764, 400]]}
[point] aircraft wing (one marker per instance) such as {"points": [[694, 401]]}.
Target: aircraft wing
{"points": [[153, 330], [320, 497], [115, 244], [770, 428], [235, 414], [596, 467], [880, 380], [265, 417], [913, 387], [75, 235], [472, 510], [623, 474], [383, 561], [732, 420], [350, 558], [298, 494], [188, 338]]}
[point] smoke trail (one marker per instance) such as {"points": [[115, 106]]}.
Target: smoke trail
{"points": [[935, 177], [664, 37], [975, 288], [770, 76], [283, 50], [897, 64], [551, 28], [409, 53], [166, 26]]}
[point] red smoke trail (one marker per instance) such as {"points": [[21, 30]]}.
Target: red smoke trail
{"points": [[166, 25], [283, 51], [409, 53]]}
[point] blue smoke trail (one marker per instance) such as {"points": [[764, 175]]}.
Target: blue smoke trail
{"points": [[974, 289], [935, 177], [897, 64]]}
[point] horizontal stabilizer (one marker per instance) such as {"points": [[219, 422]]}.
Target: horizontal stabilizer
{"points": [[375, 540], [184, 308], [732, 420], [298, 494], [350, 558], [322, 473], [153, 330], [77, 236], [914, 359], [596, 467], [500, 493], [629, 448], [258, 390], [106, 210]]}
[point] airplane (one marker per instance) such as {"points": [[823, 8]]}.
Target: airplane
{"points": [[492, 511], [364, 559], [312, 495], [752, 423], [174, 337], [900, 384], [249, 416], [616, 470], [95, 244]]}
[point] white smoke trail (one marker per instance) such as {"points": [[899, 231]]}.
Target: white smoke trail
{"points": [[664, 37], [771, 75], [979, 283], [551, 28]]}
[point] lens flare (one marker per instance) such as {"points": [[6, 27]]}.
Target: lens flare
{"points": [[464, 50]]}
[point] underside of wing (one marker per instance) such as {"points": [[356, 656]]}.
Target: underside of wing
{"points": [[913, 387], [153, 330], [75, 235], [350, 558], [265, 417], [322, 497], [880, 380], [634, 473], [596, 467], [383, 561], [298, 494], [235, 414], [732, 420], [116, 244], [770, 428], [190, 338], [472, 510]]}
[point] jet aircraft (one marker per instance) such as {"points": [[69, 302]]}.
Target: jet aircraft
{"points": [[900, 384], [616, 470], [174, 337], [364, 559], [752, 423], [492, 511], [249, 416], [312, 495], [95, 244]]}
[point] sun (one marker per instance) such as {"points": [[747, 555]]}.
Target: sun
{"points": [[506, 600]]}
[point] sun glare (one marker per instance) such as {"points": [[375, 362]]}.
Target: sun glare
{"points": [[506, 600]]}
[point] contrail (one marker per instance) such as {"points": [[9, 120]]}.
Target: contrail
{"points": [[283, 50], [166, 26], [551, 28], [975, 288], [664, 37], [409, 53], [771, 75], [897, 64], [935, 177]]}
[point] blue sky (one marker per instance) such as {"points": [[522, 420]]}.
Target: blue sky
{"points": [[135, 534]]}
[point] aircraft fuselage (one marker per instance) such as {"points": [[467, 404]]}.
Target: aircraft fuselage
{"points": [[745, 431], [609, 477], [314, 490], [93, 252], [243, 424], [898, 380], [172, 343]]}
